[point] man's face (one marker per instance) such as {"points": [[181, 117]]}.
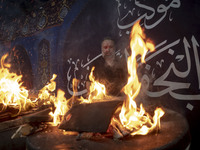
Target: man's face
{"points": [[108, 48]]}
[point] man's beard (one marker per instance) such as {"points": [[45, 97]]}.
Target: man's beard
{"points": [[109, 56], [109, 59]]}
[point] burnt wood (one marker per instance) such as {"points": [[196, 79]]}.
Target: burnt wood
{"points": [[33, 117]]}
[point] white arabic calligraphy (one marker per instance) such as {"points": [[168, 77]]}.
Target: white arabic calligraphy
{"points": [[71, 73], [75, 67], [172, 86], [195, 44], [147, 14]]}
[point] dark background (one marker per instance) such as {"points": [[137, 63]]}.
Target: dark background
{"points": [[74, 42]]}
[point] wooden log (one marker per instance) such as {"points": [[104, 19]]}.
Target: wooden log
{"points": [[12, 112], [5, 116], [118, 130], [34, 117]]}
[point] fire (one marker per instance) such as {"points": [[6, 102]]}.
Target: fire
{"points": [[11, 90], [46, 93], [97, 90], [134, 119], [62, 107], [13, 94], [137, 121]]}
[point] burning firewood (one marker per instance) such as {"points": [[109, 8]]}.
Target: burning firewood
{"points": [[118, 130], [33, 118]]}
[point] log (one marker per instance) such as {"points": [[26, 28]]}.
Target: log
{"points": [[5, 116], [34, 117], [12, 112], [118, 130]]}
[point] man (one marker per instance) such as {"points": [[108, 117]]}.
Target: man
{"points": [[110, 69]]}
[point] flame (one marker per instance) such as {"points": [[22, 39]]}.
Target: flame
{"points": [[46, 93], [137, 121], [97, 90], [47, 96], [13, 93], [11, 90], [62, 107]]}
